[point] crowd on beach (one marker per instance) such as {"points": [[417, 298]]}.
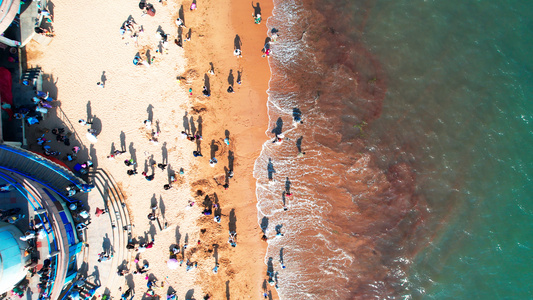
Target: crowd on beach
{"points": [[178, 256]]}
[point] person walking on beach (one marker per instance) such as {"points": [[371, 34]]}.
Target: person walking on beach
{"points": [[257, 13]]}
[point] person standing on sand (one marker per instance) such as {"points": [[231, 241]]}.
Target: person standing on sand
{"points": [[147, 124], [205, 91], [148, 177], [179, 23], [84, 123], [274, 35], [239, 75], [257, 13]]}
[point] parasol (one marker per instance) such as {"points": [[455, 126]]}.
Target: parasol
{"points": [[173, 263], [91, 137]]}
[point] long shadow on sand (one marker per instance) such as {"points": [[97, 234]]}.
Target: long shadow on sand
{"points": [[264, 224], [232, 221], [270, 169], [279, 127], [186, 124]]}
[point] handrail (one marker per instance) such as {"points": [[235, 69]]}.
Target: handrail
{"points": [[60, 170], [40, 182], [63, 117]]}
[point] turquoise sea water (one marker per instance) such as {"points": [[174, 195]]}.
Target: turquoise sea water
{"points": [[418, 133], [459, 93]]}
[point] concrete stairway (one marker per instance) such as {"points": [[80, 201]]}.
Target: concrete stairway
{"points": [[120, 221]]}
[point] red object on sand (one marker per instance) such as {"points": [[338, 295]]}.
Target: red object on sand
{"points": [[150, 10], [99, 212]]}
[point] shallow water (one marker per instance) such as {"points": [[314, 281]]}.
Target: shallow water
{"points": [[416, 132]]}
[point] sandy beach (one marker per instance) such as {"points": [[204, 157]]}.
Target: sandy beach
{"points": [[88, 48]]}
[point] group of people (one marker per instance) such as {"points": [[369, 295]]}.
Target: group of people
{"points": [[34, 113]]}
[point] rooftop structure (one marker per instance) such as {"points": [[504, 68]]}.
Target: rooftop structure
{"points": [[34, 200], [8, 10], [12, 257]]}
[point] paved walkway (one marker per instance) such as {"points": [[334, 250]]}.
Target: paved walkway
{"points": [[99, 239], [106, 234]]}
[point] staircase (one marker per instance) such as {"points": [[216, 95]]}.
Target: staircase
{"points": [[120, 220]]}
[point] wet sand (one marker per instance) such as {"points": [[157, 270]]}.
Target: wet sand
{"points": [[243, 116]]}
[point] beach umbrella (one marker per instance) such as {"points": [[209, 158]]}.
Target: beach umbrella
{"points": [[91, 137], [173, 263]]}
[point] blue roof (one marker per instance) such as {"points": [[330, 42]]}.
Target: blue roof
{"points": [[11, 261]]}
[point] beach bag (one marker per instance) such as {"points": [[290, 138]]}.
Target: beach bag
{"points": [[150, 10]]}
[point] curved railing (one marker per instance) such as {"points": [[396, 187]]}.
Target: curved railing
{"points": [[63, 177], [40, 182]]}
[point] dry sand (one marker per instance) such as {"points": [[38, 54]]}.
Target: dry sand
{"points": [[88, 43]]}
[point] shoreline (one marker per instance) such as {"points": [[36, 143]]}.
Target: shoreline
{"points": [[244, 115]]}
